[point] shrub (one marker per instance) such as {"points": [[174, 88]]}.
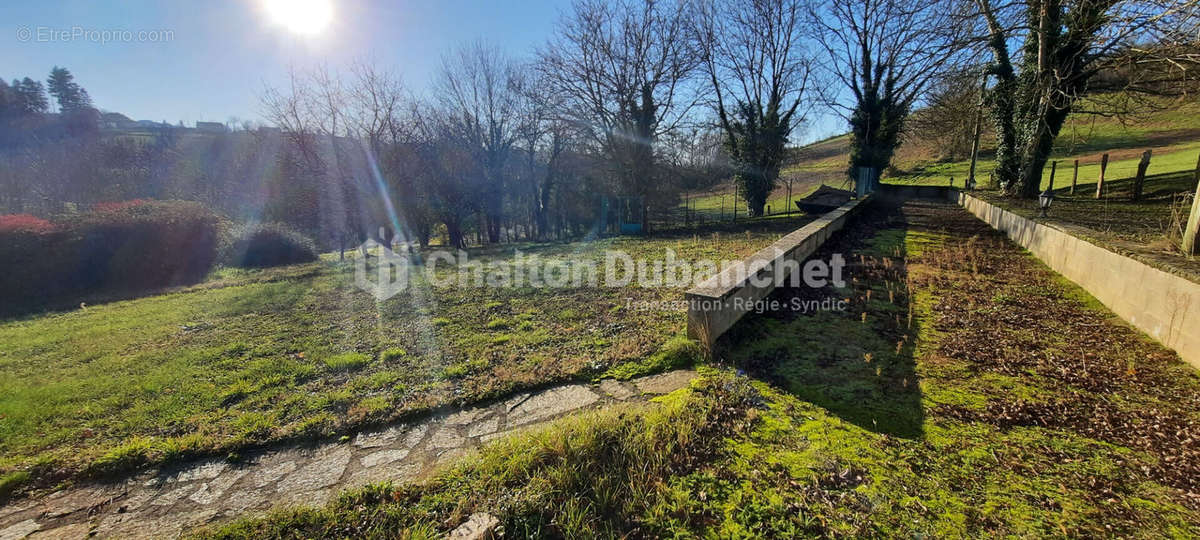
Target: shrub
{"points": [[24, 223], [270, 244], [144, 245], [118, 248]]}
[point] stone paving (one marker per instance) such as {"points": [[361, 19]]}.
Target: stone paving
{"points": [[165, 502]]}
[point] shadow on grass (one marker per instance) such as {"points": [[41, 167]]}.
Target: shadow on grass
{"points": [[857, 363]]}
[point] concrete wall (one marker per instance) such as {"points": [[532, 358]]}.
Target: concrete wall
{"points": [[1161, 304], [904, 191], [716, 304]]}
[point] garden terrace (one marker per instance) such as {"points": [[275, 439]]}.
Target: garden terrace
{"points": [[967, 391]]}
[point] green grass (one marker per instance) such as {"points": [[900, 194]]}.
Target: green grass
{"points": [[255, 356], [1173, 132], [717, 204], [985, 439], [346, 361]]}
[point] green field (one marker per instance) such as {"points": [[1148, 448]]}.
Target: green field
{"points": [[1172, 131], [251, 357]]}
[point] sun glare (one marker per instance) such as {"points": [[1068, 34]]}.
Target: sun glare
{"points": [[306, 17]]}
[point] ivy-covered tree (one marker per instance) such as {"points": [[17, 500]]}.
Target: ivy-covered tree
{"points": [[759, 72], [1065, 48], [884, 53]]}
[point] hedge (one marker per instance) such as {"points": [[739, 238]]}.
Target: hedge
{"points": [[118, 248]]}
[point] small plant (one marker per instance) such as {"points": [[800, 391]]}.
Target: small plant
{"points": [[498, 323], [253, 425], [11, 482], [440, 321], [317, 426], [346, 361], [128, 456], [393, 354], [462, 369]]}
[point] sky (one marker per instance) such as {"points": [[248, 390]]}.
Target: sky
{"points": [[210, 60]]}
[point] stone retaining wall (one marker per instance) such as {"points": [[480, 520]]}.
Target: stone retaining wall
{"points": [[716, 304], [1159, 303]]}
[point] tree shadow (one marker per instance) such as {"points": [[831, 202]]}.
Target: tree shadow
{"points": [[857, 362]]}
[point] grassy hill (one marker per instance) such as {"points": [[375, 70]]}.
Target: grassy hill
{"points": [[1172, 131]]}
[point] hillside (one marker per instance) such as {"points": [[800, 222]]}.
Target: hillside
{"points": [[1172, 132]]}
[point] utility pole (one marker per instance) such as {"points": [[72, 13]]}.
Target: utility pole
{"points": [[978, 128]]}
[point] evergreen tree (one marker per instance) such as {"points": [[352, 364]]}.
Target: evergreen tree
{"points": [[70, 96], [7, 101], [30, 96]]}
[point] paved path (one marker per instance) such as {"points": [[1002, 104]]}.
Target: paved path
{"points": [[163, 503]]}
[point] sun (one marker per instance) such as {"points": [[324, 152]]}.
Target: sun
{"points": [[307, 17]]}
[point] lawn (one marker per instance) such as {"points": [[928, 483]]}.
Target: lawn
{"points": [[967, 391], [255, 357]]}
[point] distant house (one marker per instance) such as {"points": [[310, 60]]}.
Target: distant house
{"points": [[210, 127], [112, 120]]}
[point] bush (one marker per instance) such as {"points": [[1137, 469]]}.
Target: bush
{"points": [[270, 244], [118, 249], [24, 223]]}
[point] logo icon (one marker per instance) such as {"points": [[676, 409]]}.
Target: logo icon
{"points": [[391, 271]]}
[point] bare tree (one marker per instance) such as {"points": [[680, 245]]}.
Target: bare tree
{"points": [[884, 53], [621, 68], [753, 55], [947, 120], [545, 135], [480, 91], [312, 112], [1067, 51]]}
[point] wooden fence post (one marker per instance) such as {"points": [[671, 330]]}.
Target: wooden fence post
{"points": [[1191, 235], [1075, 177], [1140, 179], [1197, 176], [1100, 181], [735, 200]]}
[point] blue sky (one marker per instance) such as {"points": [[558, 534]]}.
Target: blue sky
{"points": [[221, 53]]}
